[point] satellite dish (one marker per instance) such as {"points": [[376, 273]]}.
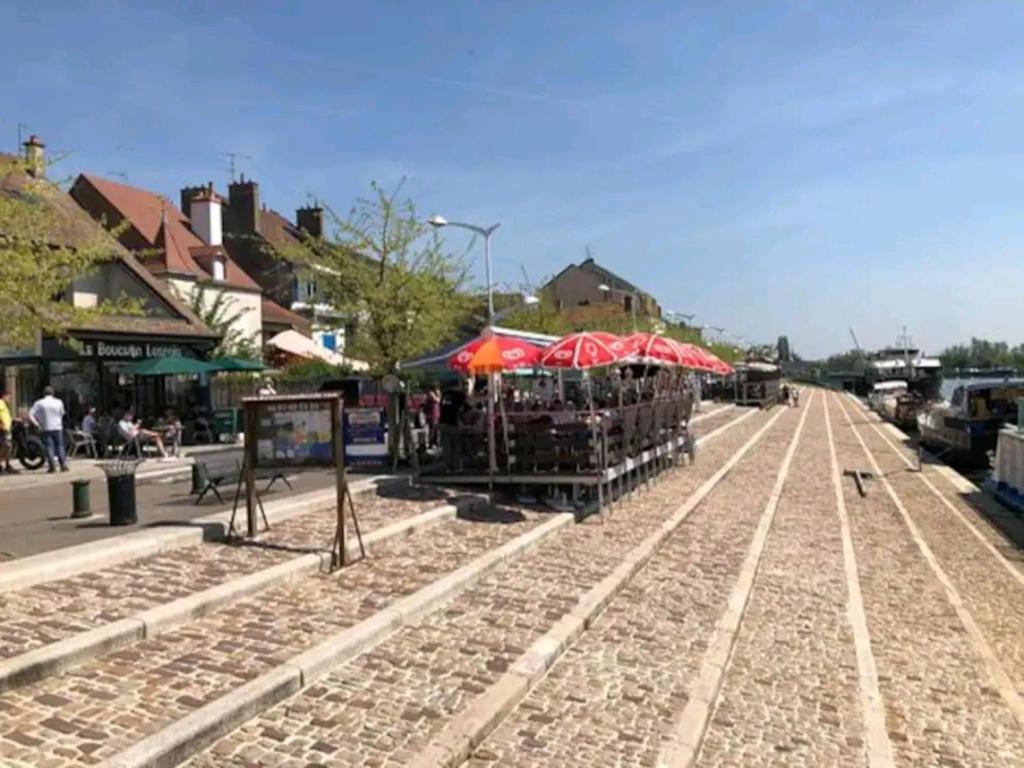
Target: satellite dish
{"points": [[391, 384]]}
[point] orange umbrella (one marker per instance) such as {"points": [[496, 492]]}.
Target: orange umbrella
{"points": [[487, 359]]}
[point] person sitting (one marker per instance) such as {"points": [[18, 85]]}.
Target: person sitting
{"points": [[130, 431], [89, 425], [171, 427]]}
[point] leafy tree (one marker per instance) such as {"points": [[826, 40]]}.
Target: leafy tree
{"points": [[981, 353], [38, 266], [387, 269], [221, 317], [315, 370]]}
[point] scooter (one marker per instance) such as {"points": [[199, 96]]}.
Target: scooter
{"points": [[28, 448]]}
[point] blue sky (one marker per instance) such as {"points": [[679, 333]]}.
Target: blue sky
{"points": [[774, 168]]}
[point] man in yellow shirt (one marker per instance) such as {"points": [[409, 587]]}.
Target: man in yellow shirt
{"points": [[5, 431]]}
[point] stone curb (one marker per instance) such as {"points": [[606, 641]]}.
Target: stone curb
{"points": [[51, 659], [93, 555], [454, 745], [196, 731]]}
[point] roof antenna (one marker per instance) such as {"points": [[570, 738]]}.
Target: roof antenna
{"points": [[233, 163], [120, 174], [21, 129]]}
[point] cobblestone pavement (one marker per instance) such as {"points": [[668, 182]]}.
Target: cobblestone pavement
{"points": [[610, 700], [385, 705], [941, 708], [57, 609], [970, 505], [994, 599], [790, 694], [109, 703]]}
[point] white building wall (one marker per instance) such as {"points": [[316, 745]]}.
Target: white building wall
{"points": [[249, 324]]}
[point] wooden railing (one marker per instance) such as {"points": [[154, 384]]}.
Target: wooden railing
{"points": [[562, 442]]}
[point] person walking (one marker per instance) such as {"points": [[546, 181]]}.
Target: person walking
{"points": [[6, 433], [47, 415]]}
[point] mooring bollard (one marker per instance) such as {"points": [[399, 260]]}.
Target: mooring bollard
{"points": [[80, 499]]}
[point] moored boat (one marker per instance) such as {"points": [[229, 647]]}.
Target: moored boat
{"points": [[895, 403], [966, 427]]}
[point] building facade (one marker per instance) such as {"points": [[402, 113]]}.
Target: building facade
{"points": [[258, 239], [187, 252], [589, 284], [89, 365]]}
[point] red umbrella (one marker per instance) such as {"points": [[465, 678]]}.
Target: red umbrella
{"points": [[515, 353], [660, 350], [706, 361], [589, 349]]}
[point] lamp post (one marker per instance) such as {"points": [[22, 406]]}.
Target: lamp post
{"points": [[440, 221]]}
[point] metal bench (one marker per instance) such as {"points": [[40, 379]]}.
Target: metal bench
{"points": [[212, 473]]}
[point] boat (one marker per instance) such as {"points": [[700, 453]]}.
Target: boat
{"points": [[921, 374], [966, 427], [894, 402]]}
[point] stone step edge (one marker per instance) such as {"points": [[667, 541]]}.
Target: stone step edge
{"points": [[185, 737], [53, 658], [102, 553], [457, 741]]}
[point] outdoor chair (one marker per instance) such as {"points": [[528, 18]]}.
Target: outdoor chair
{"points": [[82, 442]]}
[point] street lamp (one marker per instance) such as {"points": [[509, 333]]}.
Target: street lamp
{"points": [[440, 221]]}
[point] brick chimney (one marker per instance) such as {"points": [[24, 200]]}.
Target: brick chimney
{"points": [[35, 156], [310, 219], [243, 207]]}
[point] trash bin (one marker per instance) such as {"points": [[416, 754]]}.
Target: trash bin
{"points": [[121, 491], [80, 499]]}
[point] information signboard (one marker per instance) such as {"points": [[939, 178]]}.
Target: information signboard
{"points": [[294, 432], [365, 433], [283, 431]]}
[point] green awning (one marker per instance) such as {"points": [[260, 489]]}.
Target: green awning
{"points": [[171, 366], [237, 364]]}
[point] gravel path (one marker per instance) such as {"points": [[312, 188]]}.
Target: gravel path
{"points": [[384, 706], [941, 706], [610, 700], [48, 612], [790, 695], [109, 703]]}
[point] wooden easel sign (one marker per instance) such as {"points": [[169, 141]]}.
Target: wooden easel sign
{"points": [[298, 431]]}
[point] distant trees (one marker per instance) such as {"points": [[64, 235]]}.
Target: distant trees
{"points": [[981, 353], [389, 271]]}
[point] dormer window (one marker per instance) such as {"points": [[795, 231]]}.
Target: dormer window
{"points": [[218, 270]]}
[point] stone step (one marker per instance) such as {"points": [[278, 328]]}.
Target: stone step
{"points": [[55, 611], [385, 705], [106, 705]]}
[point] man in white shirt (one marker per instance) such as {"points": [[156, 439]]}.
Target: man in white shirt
{"points": [[47, 415]]}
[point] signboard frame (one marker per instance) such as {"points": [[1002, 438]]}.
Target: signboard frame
{"points": [[260, 428]]}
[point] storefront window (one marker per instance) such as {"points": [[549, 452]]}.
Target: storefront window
{"points": [[77, 384]]}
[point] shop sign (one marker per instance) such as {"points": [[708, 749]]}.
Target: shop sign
{"points": [[106, 350]]}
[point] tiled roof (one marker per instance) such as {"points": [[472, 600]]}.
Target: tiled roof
{"points": [[276, 229], [275, 314], [165, 227]]}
